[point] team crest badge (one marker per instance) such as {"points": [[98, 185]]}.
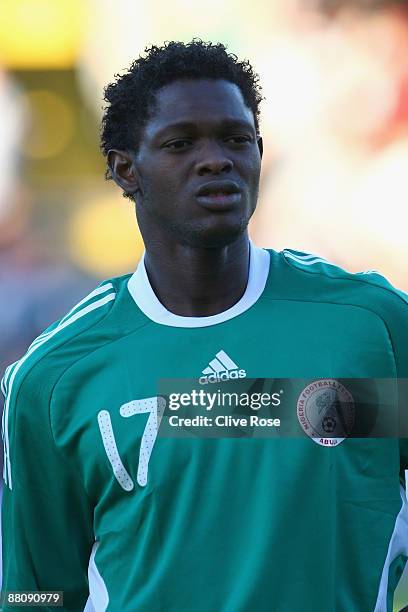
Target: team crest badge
{"points": [[326, 411]]}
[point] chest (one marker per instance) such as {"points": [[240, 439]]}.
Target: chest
{"points": [[112, 406]]}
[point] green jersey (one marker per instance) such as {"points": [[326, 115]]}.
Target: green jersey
{"points": [[99, 506]]}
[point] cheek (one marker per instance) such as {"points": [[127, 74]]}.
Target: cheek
{"points": [[250, 168], [256, 166], [161, 195], [171, 186], [158, 186]]}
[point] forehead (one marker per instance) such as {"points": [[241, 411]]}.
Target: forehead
{"points": [[198, 101]]}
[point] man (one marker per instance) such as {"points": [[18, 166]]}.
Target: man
{"points": [[174, 524]]}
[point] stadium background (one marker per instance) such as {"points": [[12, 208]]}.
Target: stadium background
{"points": [[334, 122]]}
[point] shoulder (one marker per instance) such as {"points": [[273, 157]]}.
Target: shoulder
{"points": [[49, 353], [370, 287], [29, 382]]}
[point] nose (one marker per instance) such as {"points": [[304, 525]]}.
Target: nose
{"points": [[213, 161]]}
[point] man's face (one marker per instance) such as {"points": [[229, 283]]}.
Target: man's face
{"points": [[198, 164]]}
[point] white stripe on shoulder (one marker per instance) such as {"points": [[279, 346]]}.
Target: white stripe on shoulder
{"points": [[308, 260], [2, 429], [3, 387], [90, 296], [60, 327], [7, 374], [309, 256], [94, 293], [98, 291]]}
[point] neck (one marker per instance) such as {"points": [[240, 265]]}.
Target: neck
{"points": [[198, 282]]}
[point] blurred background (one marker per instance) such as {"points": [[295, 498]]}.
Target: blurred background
{"points": [[334, 123]]}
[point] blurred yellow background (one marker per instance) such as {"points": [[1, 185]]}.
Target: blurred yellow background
{"points": [[334, 123]]}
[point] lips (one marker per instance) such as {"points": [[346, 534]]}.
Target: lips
{"points": [[219, 196], [218, 188]]}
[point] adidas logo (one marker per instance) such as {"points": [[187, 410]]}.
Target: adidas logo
{"points": [[221, 368]]}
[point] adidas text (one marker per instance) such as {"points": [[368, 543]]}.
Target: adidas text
{"points": [[214, 378]]}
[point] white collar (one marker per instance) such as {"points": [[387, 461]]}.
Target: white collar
{"points": [[144, 296]]}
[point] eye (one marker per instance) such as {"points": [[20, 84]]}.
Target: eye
{"points": [[181, 143], [239, 139]]}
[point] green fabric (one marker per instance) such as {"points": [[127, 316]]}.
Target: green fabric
{"points": [[226, 525]]}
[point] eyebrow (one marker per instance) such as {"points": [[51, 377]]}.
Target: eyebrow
{"points": [[191, 125]]}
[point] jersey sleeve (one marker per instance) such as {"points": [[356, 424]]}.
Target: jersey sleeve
{"points": [[47, 533], [374, 292], [394, 311]]}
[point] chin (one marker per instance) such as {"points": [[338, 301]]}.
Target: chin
{"points": [[218, 234]]}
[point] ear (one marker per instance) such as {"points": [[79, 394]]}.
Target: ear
{"points": [[123, 170], [260, 145]]}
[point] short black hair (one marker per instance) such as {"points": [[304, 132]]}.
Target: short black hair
{"points": [[131, 97]]}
